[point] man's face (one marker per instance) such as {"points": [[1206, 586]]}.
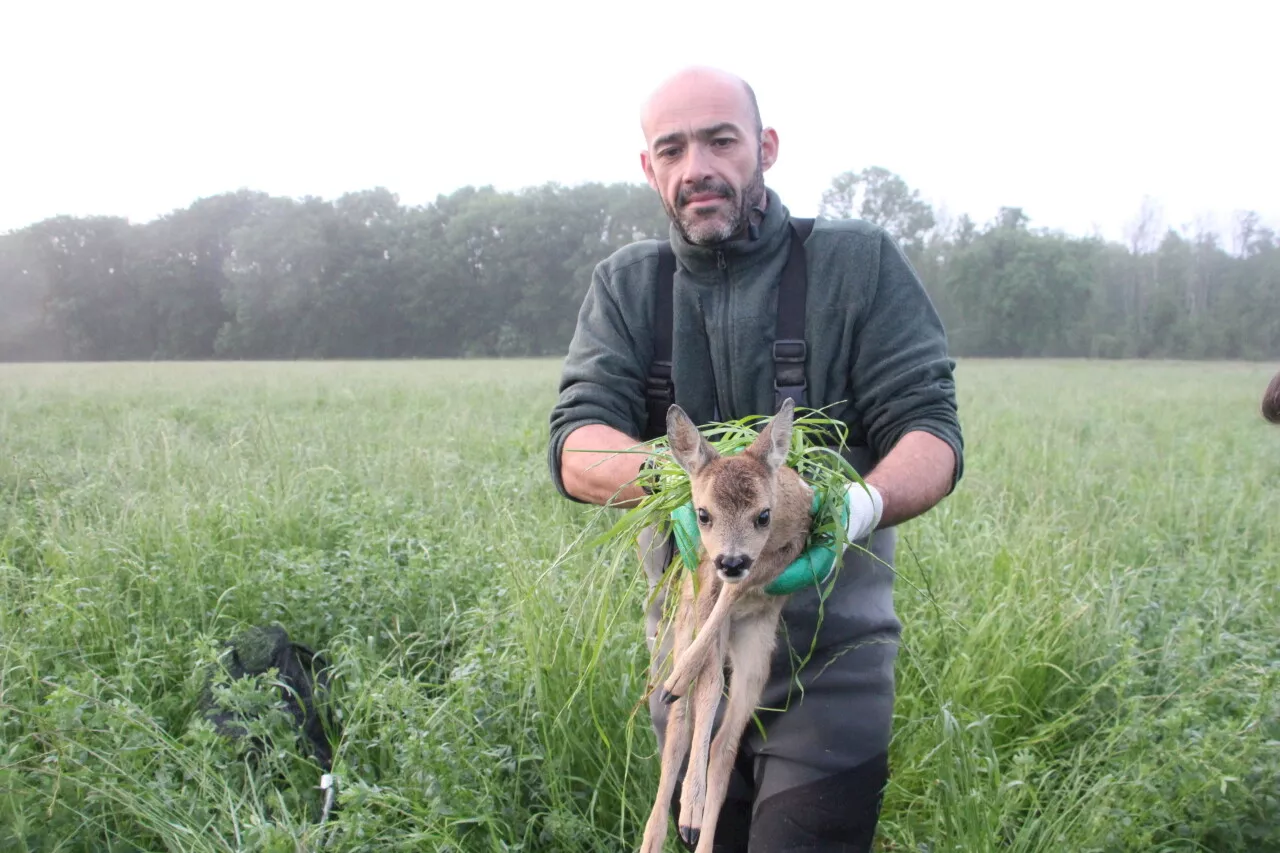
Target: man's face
{"points": [[704, 157]]}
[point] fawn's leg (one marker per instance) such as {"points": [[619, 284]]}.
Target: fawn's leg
{"points": [[677, 734], [674, 751], [715, 600], [750, 655], [705, 699]]}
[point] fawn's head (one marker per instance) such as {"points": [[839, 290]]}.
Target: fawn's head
{"points": [[733, 496]]}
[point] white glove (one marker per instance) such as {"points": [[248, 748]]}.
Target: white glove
{"points": [[864, 510]]}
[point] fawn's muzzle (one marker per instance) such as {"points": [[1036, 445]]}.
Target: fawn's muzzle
{"points": [[734, 567]]}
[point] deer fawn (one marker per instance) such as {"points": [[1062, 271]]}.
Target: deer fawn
{"points": [[754, 519]]}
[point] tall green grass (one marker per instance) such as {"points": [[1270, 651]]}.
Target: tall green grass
{"points": [[1089, 662]]}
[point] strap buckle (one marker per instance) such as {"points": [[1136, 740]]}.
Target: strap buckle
{"points": [[658, 382], [789, 380], [790, 351]]}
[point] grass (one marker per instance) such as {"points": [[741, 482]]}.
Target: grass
{"points": [[1090, 656]]}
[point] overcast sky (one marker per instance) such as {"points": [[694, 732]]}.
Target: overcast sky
{"points": [[1072, 111]]}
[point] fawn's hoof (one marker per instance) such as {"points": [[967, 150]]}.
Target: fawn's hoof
{"points": [[667, 697], [690, 835]]}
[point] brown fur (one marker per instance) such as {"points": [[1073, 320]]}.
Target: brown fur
{"points": [[734, 487], [725, 621], [1271, 400]]}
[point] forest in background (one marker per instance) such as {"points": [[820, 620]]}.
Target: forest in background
{"points": [[479, 272]]}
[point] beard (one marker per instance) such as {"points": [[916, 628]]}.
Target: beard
{"points": [[710, 229]]}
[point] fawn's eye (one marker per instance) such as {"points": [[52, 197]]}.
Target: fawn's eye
{"points": [[762, 520], [704, 517]]}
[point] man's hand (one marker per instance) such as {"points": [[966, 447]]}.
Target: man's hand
{"points": [[866, 506], [919, 472], [649, 482], [602, 478]]}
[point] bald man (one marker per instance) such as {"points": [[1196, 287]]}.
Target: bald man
{"points": [[876, 359]]}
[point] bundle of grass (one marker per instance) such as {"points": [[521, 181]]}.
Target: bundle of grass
{"points": [[816, 442]]}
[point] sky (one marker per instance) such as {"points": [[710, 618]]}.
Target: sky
{"points": [[1074, 112]]}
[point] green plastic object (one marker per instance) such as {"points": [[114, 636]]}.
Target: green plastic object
{"points": [[813, 566], [687, 536]]}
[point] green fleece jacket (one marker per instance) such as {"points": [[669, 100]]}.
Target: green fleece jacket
{"points": [[877, 348]]}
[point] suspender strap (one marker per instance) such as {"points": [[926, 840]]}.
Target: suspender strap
{"points": [[660, 391], [789, 349]]}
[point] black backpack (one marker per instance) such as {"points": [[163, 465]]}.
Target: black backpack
{"points": [[789, 349], [305, 682]]}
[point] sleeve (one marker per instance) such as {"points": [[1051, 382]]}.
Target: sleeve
{"points": [[902, 375], [603, 378]]}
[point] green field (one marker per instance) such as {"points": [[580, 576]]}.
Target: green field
{"points": [[1092, 621]]}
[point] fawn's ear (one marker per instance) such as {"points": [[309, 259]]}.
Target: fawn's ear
{"points": [[691, 451], [773, 442]]}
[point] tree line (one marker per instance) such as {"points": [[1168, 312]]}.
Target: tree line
{"points": [[245, 275]]}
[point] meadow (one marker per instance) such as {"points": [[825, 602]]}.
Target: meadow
{"points": [[1090, 657]]}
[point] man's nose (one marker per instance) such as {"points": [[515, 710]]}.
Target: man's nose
{"points": [[697, 164]]}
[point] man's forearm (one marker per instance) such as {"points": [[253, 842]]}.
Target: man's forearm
{"points": [[599, 478], [913, 477]]}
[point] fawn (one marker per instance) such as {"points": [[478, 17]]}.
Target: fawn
{"points": [[754, 519]]}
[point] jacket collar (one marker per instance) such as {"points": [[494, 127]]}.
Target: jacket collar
{"points": [[773, 234]]}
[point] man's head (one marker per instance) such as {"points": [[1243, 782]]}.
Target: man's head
{"points": [[706, 152]]}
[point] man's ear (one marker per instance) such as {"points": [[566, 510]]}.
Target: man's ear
{"points": [[768, 148], [646, 166]]}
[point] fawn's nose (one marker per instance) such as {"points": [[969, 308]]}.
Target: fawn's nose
{"points": [[733, 567]]}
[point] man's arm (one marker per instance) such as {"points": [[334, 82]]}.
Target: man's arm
{"points": [[914, 477], [601, 401], [905, 392], [601, 478]]}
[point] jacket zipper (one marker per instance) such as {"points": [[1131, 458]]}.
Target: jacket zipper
{"points": [[726, 387]]}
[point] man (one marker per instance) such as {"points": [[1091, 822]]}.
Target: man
{"points": [[876, 356]]}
